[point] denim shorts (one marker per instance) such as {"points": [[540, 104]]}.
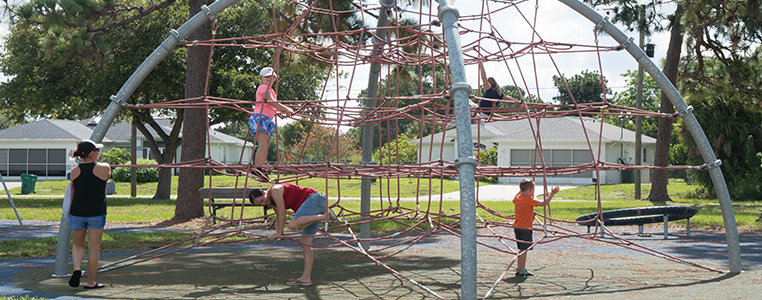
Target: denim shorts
{"points": [[79, 223], [313, 205]]}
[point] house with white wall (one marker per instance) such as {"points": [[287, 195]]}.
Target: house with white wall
{"points": [[44, 147], [565, 141]]}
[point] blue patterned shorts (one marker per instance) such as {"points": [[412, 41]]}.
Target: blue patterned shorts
{"points": [[262, 123]]}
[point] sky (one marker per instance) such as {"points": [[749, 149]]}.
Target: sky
{"points": [[555, 23]]}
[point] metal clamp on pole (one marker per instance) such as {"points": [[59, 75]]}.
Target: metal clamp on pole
{"points": [[602, 23], [713, 165], [466, 160], [208, 12], [116, 100], [627, 42], [683, 112], [448, 8], [177, 35], [460, 86]]}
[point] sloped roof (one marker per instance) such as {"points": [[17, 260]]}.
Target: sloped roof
{"points": [[48, 129], [560, 129], [51, 129]]}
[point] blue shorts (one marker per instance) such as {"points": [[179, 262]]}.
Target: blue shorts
{"points": [[262, 123], [313, 205], [79, 223]]}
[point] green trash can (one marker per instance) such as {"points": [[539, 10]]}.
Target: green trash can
{"points": [[27, 183], [628, 176]]}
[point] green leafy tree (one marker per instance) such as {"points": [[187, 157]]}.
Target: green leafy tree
{"points": [[321, 144], [407, 81], [487, 157], [76, 71], [398, 151], [628, 97], [115, 156], [646, 18], [584, 87], [144, 174], [9, 119], [733, 127]]}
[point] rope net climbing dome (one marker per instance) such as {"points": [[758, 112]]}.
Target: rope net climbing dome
{"points": [[420, 45]]}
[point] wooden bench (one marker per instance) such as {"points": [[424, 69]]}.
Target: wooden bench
{"points": [[241, 198]]}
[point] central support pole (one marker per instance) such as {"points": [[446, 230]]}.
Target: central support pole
{"points": [[367, 131], [466, 163]]}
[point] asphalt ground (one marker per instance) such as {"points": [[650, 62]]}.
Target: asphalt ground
{"points": [[571, 268]]}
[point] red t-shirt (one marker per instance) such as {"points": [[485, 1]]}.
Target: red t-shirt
{"points": [[524, 207], [294, 195]]}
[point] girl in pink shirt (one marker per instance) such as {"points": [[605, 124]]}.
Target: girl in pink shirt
{"points": [[261, 122]]}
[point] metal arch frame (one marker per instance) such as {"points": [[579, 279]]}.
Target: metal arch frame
{"points": [[466, 163], [723, 196]]}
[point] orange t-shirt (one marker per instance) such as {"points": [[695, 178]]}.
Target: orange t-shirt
{"points": [[524, 207]]}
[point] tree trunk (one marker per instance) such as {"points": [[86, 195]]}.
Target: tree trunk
{"points": [[164, 186], [189, 204], [661, 156], [171, 142]]}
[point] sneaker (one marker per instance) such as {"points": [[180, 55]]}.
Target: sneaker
{"points": [[333, 216], [525, 273], [259, 174]]}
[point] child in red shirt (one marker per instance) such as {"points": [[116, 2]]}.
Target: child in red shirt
{"points": [[524, 203]]}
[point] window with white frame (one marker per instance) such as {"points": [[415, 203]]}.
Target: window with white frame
{"points": [[553, 158], [40, 162], [147, 153]]}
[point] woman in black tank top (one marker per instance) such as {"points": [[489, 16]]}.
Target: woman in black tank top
{"points": [[88, 211]]}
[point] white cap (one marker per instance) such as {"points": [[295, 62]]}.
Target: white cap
{"points": [[267, 72]]}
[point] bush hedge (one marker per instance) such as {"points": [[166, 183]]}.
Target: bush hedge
{"points": [[145, 174]]}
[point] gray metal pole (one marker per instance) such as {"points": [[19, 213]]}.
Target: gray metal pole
{"points": [[207, 13], [11, 200], [367, 131], [702, 143], [639, 105], [466, 163]]}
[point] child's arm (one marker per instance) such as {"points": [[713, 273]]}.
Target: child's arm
{"points": [[275, 104], [483, 75], [553, 191]]}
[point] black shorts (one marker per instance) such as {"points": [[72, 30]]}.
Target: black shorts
{"points": [[523, 235]]}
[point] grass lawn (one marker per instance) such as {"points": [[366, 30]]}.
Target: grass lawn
{"points": [[143, 211]]}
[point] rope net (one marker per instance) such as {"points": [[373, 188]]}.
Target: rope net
{"points": [[431, 110]]}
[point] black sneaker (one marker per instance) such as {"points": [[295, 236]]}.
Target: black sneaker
{"points": [[259, 174], [525, 273]]}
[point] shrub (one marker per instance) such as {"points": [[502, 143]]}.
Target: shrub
{"points": [[144, 174], [115, 156]]}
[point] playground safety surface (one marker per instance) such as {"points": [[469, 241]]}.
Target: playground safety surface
{"points": [[567, 269]]}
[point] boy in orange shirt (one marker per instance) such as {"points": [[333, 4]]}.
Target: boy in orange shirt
{"points": [[524, 203]]}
